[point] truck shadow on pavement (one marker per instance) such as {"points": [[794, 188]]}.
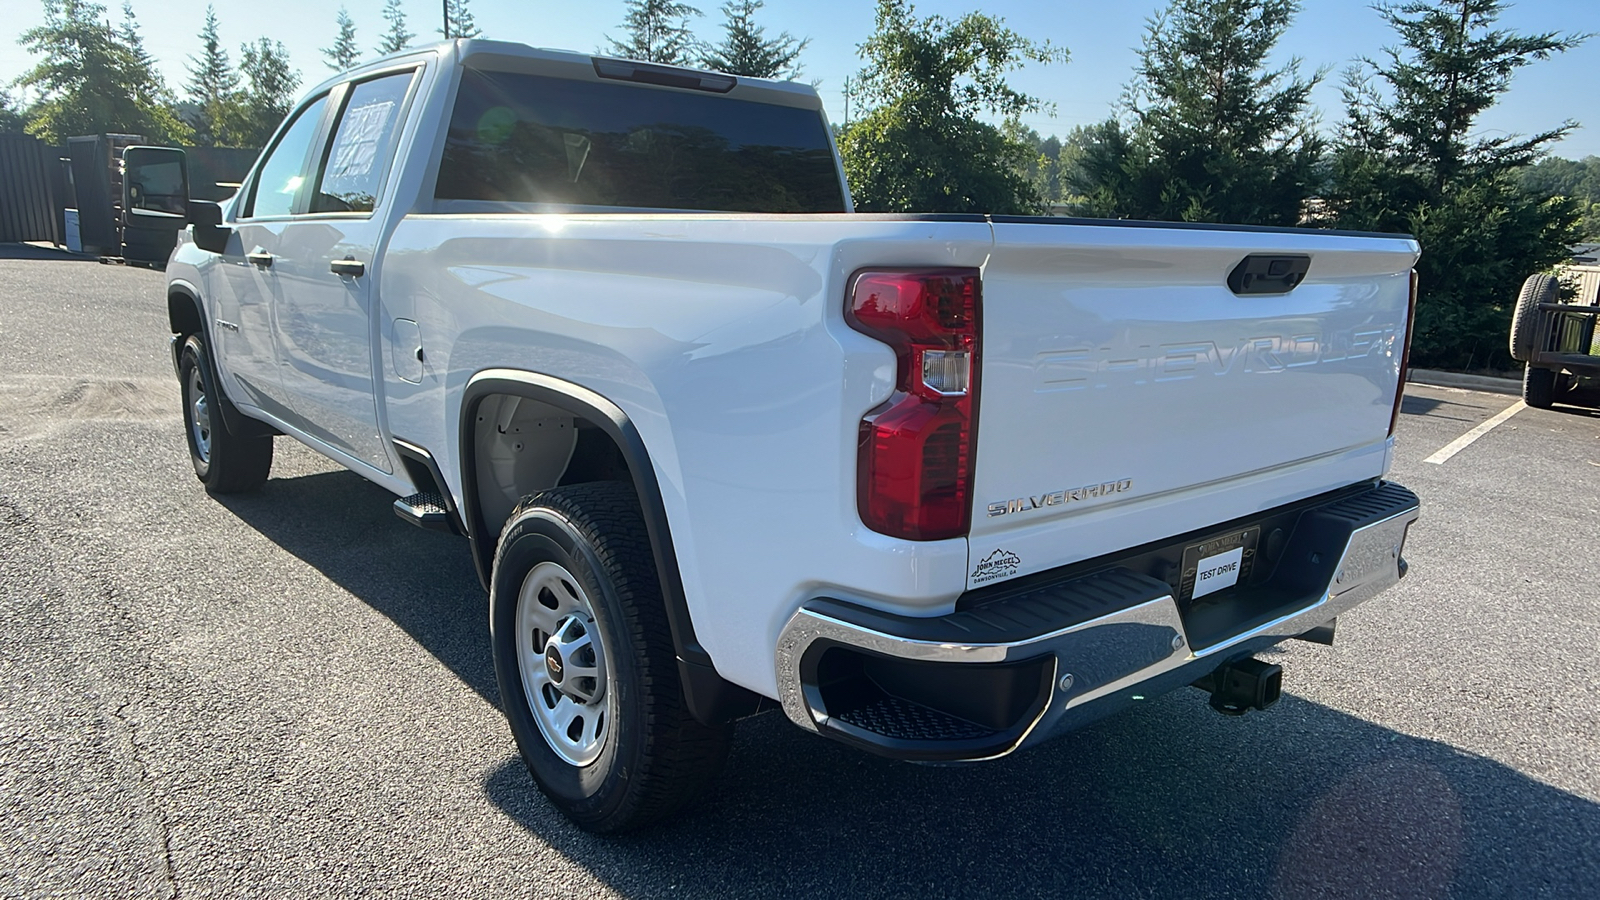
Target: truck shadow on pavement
{"points": [[424, 581], [1168, 799]]}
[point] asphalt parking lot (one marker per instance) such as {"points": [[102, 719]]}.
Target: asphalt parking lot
{"points": [[290, 694]]}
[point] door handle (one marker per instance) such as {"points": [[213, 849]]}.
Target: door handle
{"points": [[260, 258], [354, 268]]}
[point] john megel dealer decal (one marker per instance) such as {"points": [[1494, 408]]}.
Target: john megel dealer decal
{"points": [[999, 564]]}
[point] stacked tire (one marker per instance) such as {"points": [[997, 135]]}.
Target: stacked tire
{"points": [[1538, 384]]}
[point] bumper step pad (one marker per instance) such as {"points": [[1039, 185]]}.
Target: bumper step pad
{"points": [[1055, 652]]}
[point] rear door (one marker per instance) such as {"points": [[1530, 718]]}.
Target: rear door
{"points": [[326, 261], [1129, 393]]}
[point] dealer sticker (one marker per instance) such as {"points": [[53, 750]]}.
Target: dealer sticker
{"points": [[1217, 572]]}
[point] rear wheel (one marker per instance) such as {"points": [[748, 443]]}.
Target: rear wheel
{"points": [[1538, 387], [225, 462], [585, 662]]}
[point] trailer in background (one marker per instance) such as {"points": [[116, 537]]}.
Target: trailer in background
{"points": [[1553, 332]]}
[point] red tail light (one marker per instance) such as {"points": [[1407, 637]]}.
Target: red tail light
{"points": [[914, 468], [1405, 355]]}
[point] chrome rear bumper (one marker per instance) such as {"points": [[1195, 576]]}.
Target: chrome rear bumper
{"points": [[1087, 645]]}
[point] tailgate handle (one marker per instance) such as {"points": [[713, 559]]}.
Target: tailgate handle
{"points": [[1262, 273]]}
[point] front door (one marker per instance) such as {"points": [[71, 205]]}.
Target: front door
{"points": [[247, 291], [326, 265]]}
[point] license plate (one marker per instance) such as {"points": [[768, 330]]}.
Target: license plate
{"points": [[1218, 564]]}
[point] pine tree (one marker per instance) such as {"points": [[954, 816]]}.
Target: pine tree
{"points": [[658, 32], [89, 80], [1411, 157], [128, 34], [150, 89], [344, 53], [213, 86], [397, 38], [926, 142], [745, 50], [1210, 133], [459, 22], [270, 83]]}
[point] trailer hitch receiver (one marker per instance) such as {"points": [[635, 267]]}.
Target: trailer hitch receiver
{"points": [[1242, 685]]}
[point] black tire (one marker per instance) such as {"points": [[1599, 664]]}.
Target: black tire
{"points": [[224, 462], [1536, 289], [1538, 387], [656, 757]]}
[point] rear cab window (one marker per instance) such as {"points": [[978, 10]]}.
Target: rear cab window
{"points": [[363, 144], [576, 144]]}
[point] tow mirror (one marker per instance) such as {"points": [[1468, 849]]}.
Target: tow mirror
{"points": [[155, 201], [155, 186], [209, 232]]}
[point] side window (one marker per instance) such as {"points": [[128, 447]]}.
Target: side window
{"points": [[362, 145], [278, 184]]}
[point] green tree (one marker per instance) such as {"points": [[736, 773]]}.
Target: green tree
{"points": [[458, 21], [397, 38], [150, 89], [270, 83], [88, 81], [213, 86], [344, 53], [1210, 132], [1579, 179], [745, 49], [1410, 158], [658, 32], [12, 120], [921, 144]]}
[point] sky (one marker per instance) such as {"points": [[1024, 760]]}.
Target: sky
{"points": [[1101, 35]]}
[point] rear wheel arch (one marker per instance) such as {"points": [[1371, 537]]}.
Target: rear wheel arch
{"points": [[710, 698]]}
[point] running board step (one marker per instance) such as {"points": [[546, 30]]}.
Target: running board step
{"points": [[427, 510]]}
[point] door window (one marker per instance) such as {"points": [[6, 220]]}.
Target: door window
{"points": [[362, 145], [279, 182]]}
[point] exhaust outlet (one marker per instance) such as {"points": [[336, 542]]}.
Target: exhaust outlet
{"points": [[1242, 685]]}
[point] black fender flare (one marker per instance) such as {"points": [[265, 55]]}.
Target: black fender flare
{"points": [[186, 314], [711, 699]]}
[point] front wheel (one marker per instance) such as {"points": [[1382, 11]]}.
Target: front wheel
{"points": [[585, 662], [225, 462]]}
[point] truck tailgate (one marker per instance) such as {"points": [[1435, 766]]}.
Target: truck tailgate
{"points": [[1128, 393]]}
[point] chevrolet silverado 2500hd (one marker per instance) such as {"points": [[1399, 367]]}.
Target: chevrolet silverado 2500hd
{"points": [[937, 486]]}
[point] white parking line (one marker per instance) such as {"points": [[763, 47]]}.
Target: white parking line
{"points": [[1461, 443]]}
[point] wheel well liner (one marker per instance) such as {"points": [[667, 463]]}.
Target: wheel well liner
{"points": [[710, 698], [183, 311]]}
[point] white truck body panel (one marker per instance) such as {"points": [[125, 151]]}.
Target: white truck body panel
{"points": [[1118, 355], [723, 339]]}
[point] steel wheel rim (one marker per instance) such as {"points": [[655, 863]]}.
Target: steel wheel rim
{"points": [[199, 416], [562, 662]]}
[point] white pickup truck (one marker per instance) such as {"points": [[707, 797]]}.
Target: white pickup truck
{"points": [[938, 486]]}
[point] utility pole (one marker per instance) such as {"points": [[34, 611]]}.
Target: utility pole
{"points": [[446, 5]]}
